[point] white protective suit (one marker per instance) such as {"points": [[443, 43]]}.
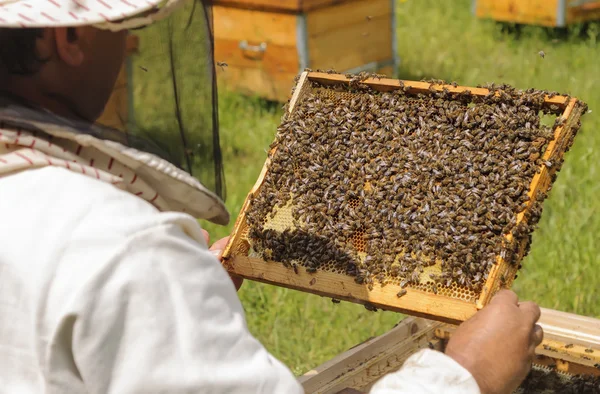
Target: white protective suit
{"points": [[101, 292]]}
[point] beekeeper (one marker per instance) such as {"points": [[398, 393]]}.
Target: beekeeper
{"points": [[107, 284]]}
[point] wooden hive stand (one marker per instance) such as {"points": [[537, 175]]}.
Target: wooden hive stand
{"points": [[266, 43]]}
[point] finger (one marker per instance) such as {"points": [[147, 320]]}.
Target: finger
{"points": [[220, 244], [206, 236], [538, 335], [505, 297], [532, 355], [531, 310]]}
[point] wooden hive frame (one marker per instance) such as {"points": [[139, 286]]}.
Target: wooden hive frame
{"points": [[566, 339], [415, 302]]}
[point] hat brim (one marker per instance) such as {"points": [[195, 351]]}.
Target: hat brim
{"points": [[109, 14]]}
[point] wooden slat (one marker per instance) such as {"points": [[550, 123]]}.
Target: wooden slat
{"points": [[300, 89], [276, 59], [343, 287], [571, 328], [415, 87], [584, 355], [352, 45], [254, 81], [274, 5], [281, 5], [539, 12], [346, 14], [255, 27], [363, 365], [558, 326]]}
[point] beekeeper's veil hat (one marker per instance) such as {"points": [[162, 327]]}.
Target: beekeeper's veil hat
{"points": [[173, 114]]}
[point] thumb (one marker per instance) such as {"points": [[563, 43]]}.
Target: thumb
{"points": [[218, 247]]}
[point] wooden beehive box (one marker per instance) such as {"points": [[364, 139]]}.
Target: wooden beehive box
{"points": [[266, 43], [552, 13], [451, 304], [571, 346], [117, 113]]}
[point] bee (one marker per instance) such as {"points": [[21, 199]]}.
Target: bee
{"points": [[223, 65], [401, 293], [439, 174]]}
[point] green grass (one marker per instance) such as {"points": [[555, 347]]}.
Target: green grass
{"points": [[441, 39]]}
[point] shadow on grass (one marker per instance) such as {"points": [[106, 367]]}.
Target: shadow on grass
{"points": [[577, 32]]}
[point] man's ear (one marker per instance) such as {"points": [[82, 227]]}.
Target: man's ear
{"points": [[69, 41]]}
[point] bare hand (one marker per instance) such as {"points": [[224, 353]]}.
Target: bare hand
{"points": [[497, 345], [217, 249]]}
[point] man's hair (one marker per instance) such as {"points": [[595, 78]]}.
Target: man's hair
{"points": [[18, 51]]}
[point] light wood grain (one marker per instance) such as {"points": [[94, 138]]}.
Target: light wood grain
{"points": [[294, 6], [538, 12], [346, 14], [352, 45], [343, 287], [253, 26], [361, 366], [300, 89], [415, 87], [275, 60], [254, 81]]}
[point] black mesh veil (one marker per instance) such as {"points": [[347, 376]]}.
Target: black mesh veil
{"points": [[171, 106], [174, 93]]}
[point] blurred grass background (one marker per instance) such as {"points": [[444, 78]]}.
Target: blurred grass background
{"points": [[442, 40]]}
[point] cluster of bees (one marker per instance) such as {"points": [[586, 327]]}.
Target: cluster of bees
{"points": [[385, 184], [541, 381]]}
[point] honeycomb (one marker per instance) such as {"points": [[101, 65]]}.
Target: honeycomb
{"points": [[281, 219], [544, 380]]}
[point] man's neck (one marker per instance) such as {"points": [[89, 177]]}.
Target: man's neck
{"points": [[23, 91]]}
